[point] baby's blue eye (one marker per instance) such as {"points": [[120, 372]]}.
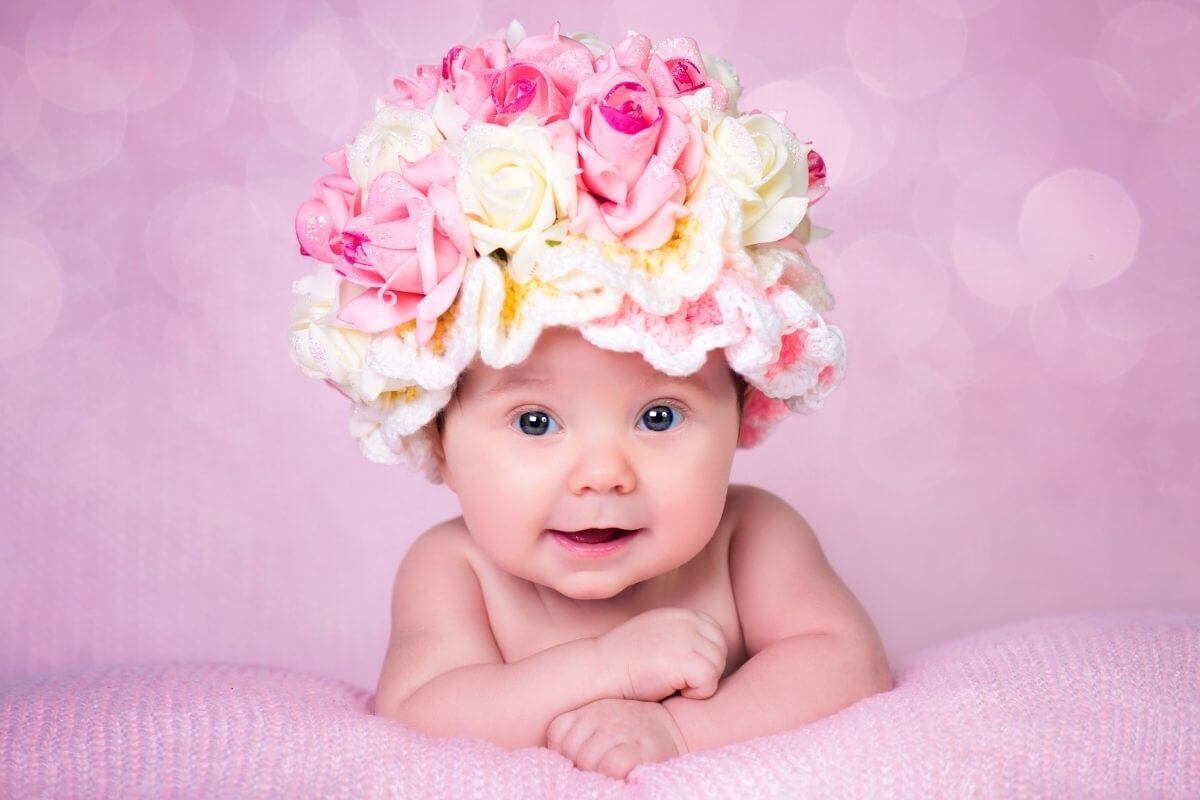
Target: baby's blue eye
{"points": [[658, 418], [538, 421]]}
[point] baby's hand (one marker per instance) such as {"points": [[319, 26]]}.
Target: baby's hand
{"points": [[614, 736], [663, 650]]}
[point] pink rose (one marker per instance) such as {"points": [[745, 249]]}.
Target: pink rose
{"points": [[417, 91], [564, 60], [467, 74], [404, 256], [677, 68], [319, 221], [523, 88], [638, 152]]}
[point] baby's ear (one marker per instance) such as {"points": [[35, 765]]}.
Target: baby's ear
{"points": [[439, 455]]}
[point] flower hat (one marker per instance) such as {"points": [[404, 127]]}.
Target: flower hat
{"points": [[532, 181]]}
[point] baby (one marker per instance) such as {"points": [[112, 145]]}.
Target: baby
{"points": [[567, 279], [606, 591]]}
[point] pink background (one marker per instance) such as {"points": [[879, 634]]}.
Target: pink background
{"points": [[1014, 200]]}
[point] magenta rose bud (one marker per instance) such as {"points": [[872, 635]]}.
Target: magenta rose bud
{"points": [[676, 67], [523, 88], [467, 74]]}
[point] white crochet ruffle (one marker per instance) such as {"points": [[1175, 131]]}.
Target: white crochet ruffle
{"points": [[701, 291]]}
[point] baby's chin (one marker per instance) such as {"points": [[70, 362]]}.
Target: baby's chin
{"points": [[612, 584]]}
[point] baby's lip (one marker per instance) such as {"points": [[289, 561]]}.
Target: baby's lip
{"points": [[597, 528]]}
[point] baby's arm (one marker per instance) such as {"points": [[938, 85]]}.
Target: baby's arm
{"points": [[813, 649], [444, 674]]}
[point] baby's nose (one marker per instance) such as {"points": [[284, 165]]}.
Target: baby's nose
{"points": [[603, 468]]}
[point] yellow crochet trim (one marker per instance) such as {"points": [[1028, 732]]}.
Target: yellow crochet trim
{"points": [[437, 342], [515, 294], [651, 261]]}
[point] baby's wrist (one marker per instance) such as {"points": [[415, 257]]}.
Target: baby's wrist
{"points": [[675, 728], [609, 684]]}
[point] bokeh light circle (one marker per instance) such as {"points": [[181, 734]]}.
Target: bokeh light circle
{"points": [[20, 102], [709, 24], [892, 290], [1074, 350], [99, 55], [987, 256], [997, 131], [1179, 141], [66, 145], [1144, 300], [203, 103], [391, 25], [949, 355], [903, 426], [310, 93], [1155, 46], [31, 293], [957, 9], [902, 51], [199, 224], [1083, 219]]}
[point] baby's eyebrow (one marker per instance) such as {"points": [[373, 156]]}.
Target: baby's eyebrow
{"points": [[511, 382]]}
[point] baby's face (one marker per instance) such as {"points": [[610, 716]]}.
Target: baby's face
{"points": [[594, 439]]}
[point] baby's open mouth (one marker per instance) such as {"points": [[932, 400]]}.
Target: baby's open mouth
{"points": [[596, 535]]}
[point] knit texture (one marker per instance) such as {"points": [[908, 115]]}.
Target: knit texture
{"points": [[1097, 705]]}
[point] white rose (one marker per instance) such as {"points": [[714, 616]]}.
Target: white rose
{"points": [[723, 72], [513, 34], [593, 42], [395, 132], [323, 347], [514, 187], [449, 117], [765, 165]]}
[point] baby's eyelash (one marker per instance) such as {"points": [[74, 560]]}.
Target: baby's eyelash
{"points": [[673, 404], [670, 404]]}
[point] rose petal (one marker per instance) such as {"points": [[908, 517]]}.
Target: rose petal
{"points": [[371, 313]]}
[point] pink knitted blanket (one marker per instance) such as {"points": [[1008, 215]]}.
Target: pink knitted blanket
{"points": [[1101, 705]]}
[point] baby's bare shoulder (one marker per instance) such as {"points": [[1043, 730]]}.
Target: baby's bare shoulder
{"points": [[449, 535], [753, 508], [439, 620], [783, 584]]}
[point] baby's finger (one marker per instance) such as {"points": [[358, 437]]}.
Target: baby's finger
{"points": [[618, 761], [713, 632], [713, 653], [575, 738], [593, 749], [702, 677], [702, 691], [557, 729]]}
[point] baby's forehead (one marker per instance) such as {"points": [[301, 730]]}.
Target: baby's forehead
{"points": [[562, 355], [481, 379]]}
